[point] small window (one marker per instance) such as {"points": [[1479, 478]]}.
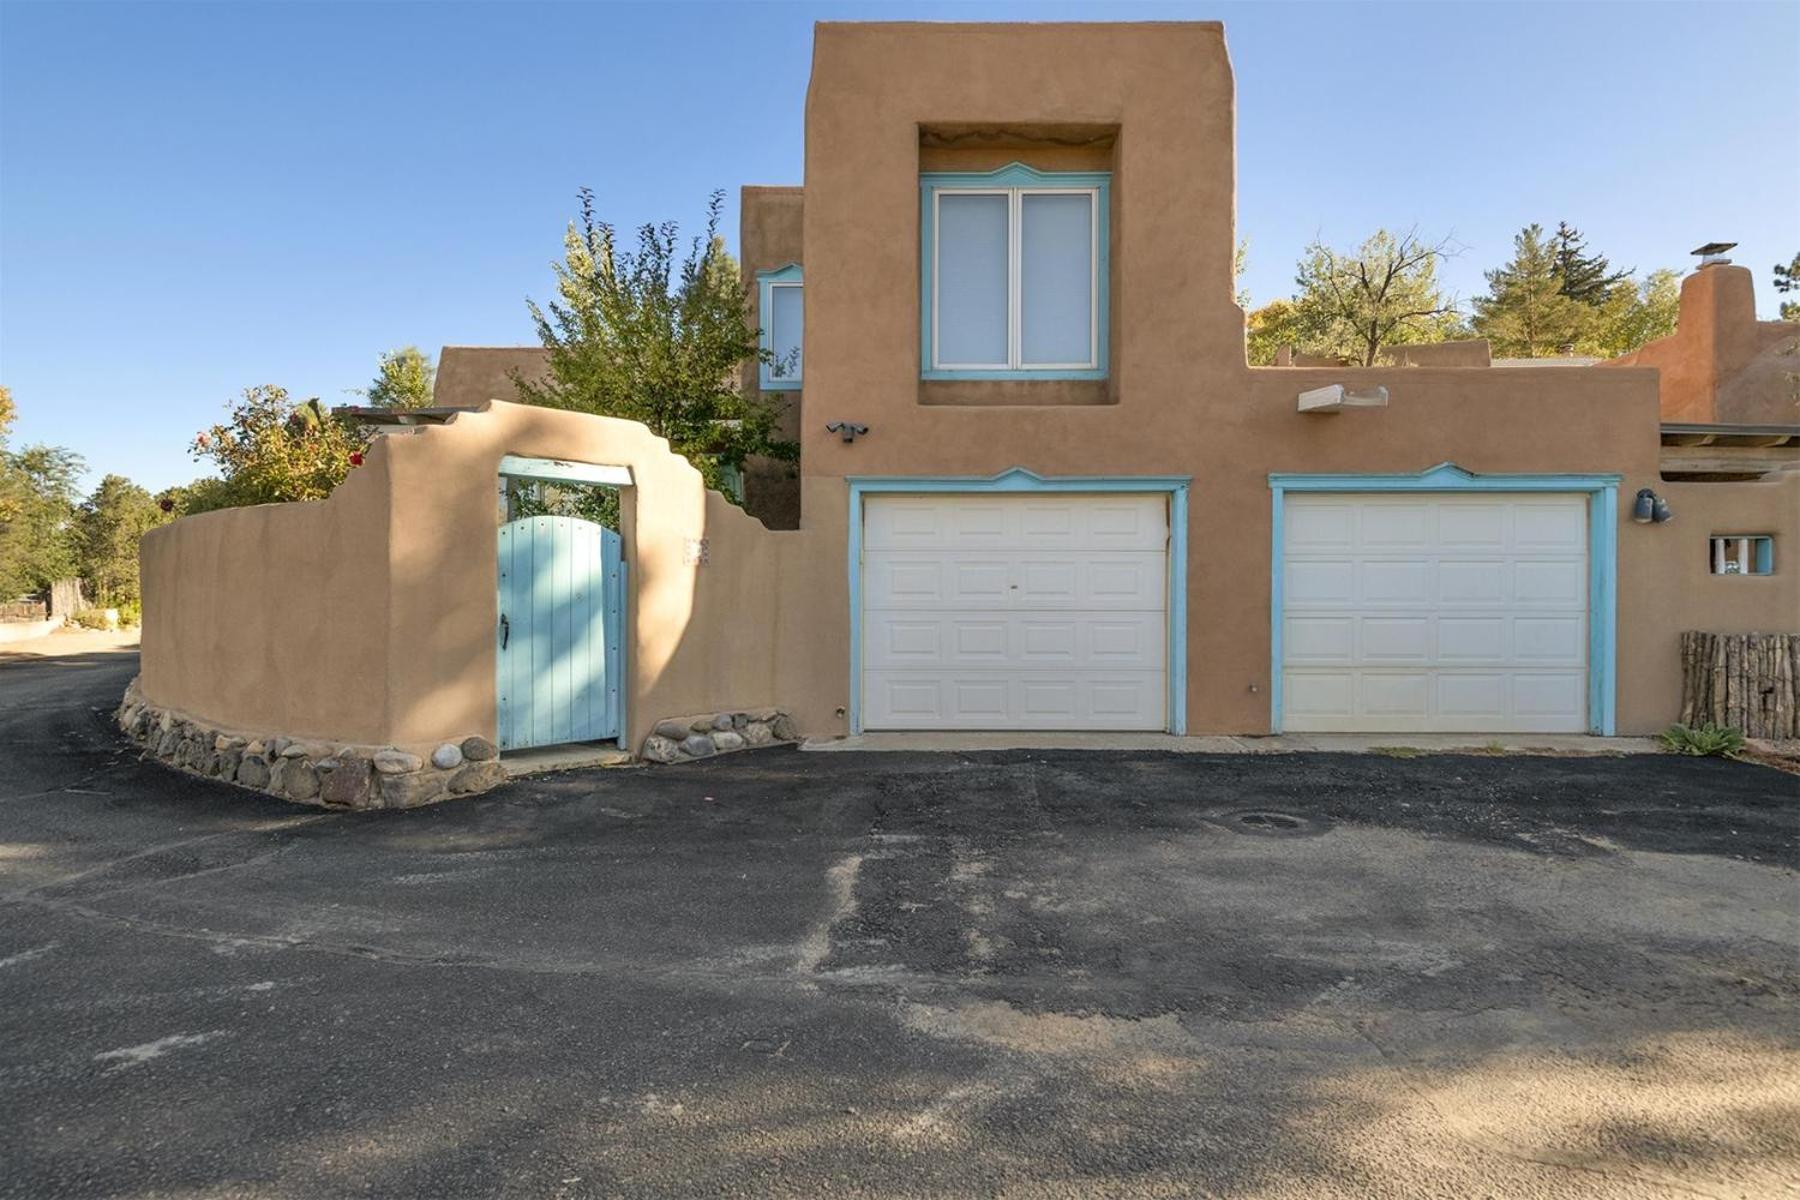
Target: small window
{"points": [[1743, 554], [1013, 275], [782, 309]]}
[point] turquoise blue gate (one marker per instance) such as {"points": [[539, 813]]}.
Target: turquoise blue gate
{"points": [[561, 659]]}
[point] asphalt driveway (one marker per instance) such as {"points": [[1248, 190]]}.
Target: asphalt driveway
{"points": [[781, 974]]}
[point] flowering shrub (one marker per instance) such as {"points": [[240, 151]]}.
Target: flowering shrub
{"points": [[273, 450]]}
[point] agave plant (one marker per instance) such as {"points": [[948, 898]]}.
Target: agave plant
{"points": [[1704, 740]]}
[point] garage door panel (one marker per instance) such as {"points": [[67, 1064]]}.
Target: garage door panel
{"points": [[1130, 580], [1001, 612], [1560, 526], [1395, 640], [1478, 527], [1048, 583], [1550, 695], [974, 640], [1550, 640], [1473, 583], [1028, 641], [911, 641], [1319, 694], [1385, 528], [1473, 696], [1391, 694], [1551, 583], [1385, 581], [1322, 528], [1452, 613], [1320, 640], [1002, 699], [1323, 583], [1473, 641]]}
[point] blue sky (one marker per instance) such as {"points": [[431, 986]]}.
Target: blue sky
{"points": [[198, 198]]}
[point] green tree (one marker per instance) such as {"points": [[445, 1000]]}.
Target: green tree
{"points": [[273, 450], [1581, 276], [37, 518], [1268, 329], [202, 495], [641, 336], [403, 379], [1787, 279], [109, 525], [1384, 293], [1634, 313], [1525, 313]]}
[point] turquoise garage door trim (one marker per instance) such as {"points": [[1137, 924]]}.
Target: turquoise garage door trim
{"points": [[1079, 663], [1532, 669]]}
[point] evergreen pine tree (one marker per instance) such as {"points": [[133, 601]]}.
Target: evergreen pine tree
{"points": [[1585, 277], [1525, 313]]}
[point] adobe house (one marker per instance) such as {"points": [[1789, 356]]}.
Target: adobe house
{"points": [[1039, 488]]}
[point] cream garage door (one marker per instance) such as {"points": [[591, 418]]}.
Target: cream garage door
{"points": [[1423, 613], [1015, 611]]}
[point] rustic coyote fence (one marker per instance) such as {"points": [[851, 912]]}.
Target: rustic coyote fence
{"points": [[1745, 680]]}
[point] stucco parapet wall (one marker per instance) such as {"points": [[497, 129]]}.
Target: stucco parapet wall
{"points": [[684, 739], [306, 771]]}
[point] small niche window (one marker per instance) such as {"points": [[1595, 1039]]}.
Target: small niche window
{"points": [[1013, 274], [781, 308], [1742, 554]]}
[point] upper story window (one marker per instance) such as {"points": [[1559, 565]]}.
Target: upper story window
{"points": [[1014, 274], [782, 314]]}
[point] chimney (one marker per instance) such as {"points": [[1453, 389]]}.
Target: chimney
{"points": [[1713, 254]]}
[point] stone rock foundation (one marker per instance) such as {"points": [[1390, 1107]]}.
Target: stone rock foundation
{"points": [[328, 774], [684, 739]]}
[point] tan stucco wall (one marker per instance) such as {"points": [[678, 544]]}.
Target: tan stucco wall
{"points": [[1665, 585], [274, 618], [469, 376], [769, 238], [1722, 365], [370, 617]]}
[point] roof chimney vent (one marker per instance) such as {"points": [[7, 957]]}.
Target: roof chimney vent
{"points": [[1713, 253]]}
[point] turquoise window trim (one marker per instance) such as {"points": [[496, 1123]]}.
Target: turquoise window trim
{"points": [[1016, 175], [556, 470], [1762, 550], [1019, 480], [766, 282], [1603, 562]]}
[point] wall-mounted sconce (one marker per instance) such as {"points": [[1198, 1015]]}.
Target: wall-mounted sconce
{"points": [[850, 429], [1650, 508]]}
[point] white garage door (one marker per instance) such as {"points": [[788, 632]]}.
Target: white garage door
{"points": [[1015, 612], [1435, 613]]}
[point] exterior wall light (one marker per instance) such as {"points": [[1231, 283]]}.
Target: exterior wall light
{"points": [[849, 429], [1336, 398], [1650, 508]]}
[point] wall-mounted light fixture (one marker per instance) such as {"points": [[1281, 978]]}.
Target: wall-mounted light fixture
{"points": [[1336, 398], [1650, 508], [850, 429]]}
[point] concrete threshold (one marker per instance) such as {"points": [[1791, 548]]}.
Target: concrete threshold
{"points": [[568, 757], [1399, 745]]}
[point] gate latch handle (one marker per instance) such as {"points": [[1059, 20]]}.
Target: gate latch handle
{"points": [[505, 631]]}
